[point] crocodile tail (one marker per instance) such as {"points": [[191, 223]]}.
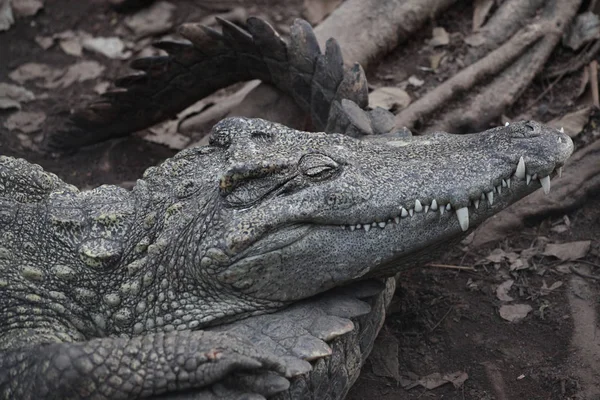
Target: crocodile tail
{"points": [[335, 97]]}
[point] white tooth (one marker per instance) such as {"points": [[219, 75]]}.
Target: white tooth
{"points": [[559, 170], [358, 226], [504, 184], [477, 204], [397, 220], [508, 183], [426, 208], [528, 179], [490, 197], [418, 206], [344, 227], [562, 129], [520, 172], [367, 227], [442, 209], [559, 140], [381, 225], [374, 224], [507, 124], [448, 207], [434, 205], [411, 212], [404, 213], [534, 177], [352, 228], [499, 189], [545, 181], [463, 217]]}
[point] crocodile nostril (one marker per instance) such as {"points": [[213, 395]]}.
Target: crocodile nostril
{"points": [[530, 127]]}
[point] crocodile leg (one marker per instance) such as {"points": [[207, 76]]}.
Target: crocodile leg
{"points": [[143, 367], [333, 95]]}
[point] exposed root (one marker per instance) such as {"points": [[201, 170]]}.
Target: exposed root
{"points": [[477, 110]]}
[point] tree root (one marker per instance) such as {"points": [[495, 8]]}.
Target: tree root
{"points": [[533, 44]]}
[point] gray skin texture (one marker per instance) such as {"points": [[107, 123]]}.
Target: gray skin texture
{"points": [[116, 294]]}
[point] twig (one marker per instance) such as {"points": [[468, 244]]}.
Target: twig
{"points": [[594, 82], [589, 263], [441, 320], [451, 267], [583, 274]]}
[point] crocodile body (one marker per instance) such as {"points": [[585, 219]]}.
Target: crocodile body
{"points": [[165, 291]]}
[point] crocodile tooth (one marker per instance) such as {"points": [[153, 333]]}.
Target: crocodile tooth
{"points": [[418, 206], [507, 124], [367, 227], [358, 226], [426, 208], [397, 220], [562, 129], [508, 183], [490, 197], [528, 179], [352, 228], [559, 170], [434, 205], [442, 209], [382, 225], [520, 172], [411, 212], [477, 204], [374, 224], [448, 207], [499, 189], [482, 197], [463, 217], [404, 213], [534, 177], [545, 181], [504, 184]]}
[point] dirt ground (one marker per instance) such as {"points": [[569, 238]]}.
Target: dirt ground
{"points": [[448, 320]]}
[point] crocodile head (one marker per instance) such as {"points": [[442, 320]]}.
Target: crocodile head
{"points": [[295, 213]]}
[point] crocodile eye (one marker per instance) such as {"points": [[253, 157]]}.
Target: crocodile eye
{"points": [[317, 166]]}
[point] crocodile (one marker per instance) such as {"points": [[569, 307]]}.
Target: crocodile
{"points": [[227, 267]]}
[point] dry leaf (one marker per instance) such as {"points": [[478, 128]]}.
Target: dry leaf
{"points": [[31, 71], [545, 290], [574, 122], [440, 37], [6, 15], [389, 97], [45, 42], [503, 289], [316, 10], [25, 121], [584, 29], [436, 59], [568, 251], [475, 40], [519, 264], [496, 256], [101, 87], [78, 72], [26, 8], [71, 46], [435, 380], [111, 47], [384, 357], [414, 81], [480, 11], [515, 312], [153, 20], [11, 96]]}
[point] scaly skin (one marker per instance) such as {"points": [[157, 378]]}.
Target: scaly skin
{"points": [[107, 294]]}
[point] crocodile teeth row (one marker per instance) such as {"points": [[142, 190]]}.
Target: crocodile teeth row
{"points": [[462, 214]]}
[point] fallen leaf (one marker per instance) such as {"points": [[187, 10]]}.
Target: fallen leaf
{"points": [[167, 135], [71, 46], [436, 59], [31, 71], [111, 47], [11, 96], [559, 228], [388, 97], [440, 37], [101, 87], [475, 40], [156, 19], [515, 312], [26, 8], [78, 72], [564, 268], [316, 10], [481, 10], [519, 264], [568, 251], [503, 289], [496, 256], [545, 290], [414, 81], [574, 122], [384, 357], [45, 42], [6, 15], [435, 380], [25, 121], [584, 29]]}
